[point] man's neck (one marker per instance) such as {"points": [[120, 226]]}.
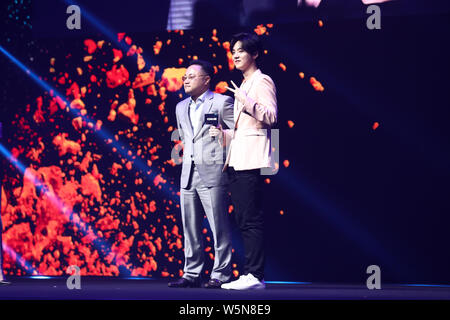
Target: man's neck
{"points": [[194, 98], [248, 73]]}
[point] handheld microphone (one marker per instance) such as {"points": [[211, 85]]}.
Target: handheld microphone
{"points": [[212, 119]]}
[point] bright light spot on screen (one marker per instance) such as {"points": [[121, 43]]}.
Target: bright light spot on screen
{"points": [[312, 3], [374, 1]]}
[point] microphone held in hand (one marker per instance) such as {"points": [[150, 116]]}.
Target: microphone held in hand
{"points": [[212, 119]]}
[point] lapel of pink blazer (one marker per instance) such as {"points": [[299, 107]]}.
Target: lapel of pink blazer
{"points": [[252, 80]]}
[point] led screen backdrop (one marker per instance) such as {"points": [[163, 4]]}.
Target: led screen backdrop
{"points": [[100, 189], [89, 176]]}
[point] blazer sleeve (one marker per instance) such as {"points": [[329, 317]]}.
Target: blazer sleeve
{"points": [[180, 129], [228, 120], [264, 108], [227, 113]]}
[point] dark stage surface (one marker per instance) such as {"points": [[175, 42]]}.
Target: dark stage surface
{"points": [[132, 289]]}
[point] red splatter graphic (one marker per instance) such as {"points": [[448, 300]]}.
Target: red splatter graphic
{"points": [[67, 213], [226, 45], [127, 109], [171, 78], [375, 125], [90, 45], [157, 47], [221, 87], [117, 55], [115, 77], [65, 146], [101, 150], [260, 29], [316, 84]]}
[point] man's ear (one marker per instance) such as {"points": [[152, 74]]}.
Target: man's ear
{"points": [[256, 55]]}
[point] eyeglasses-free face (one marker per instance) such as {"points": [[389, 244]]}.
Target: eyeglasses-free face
{"points": [[241, 58]]}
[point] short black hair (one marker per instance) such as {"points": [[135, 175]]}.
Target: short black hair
{"points": [[251, 43], [207, 67]]}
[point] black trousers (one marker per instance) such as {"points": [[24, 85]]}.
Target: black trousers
{"points": [[246, 196]]}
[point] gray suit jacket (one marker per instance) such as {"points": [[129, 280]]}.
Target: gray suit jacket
{"points": [[199, 147]]}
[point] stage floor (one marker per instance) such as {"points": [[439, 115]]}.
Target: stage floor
{"points": [[149, 289]]}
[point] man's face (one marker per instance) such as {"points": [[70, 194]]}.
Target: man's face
{"points": [[196, 81], [241, 58]]}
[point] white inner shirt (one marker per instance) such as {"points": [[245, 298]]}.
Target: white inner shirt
{"points": [[195, 111]]}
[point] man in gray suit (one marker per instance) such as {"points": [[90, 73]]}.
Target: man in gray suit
{"points": [[203, 185]]}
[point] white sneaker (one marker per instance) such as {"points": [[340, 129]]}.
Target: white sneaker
{"points": [[245, 282], [239, 282]]}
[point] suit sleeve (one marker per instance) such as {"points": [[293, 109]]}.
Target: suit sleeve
{"points": [[264, 108], [228, 120], [227, 113], [180, 129]]}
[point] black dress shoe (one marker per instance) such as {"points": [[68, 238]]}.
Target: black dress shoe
{"points": [[184, 283], [4, 283], [213, 284]]}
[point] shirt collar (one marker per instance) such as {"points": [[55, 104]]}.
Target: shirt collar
{"points": [[200, 99], [255, 74]]}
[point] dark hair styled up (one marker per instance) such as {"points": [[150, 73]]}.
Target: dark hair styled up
{"points": [[207, 67], [251, 43]]}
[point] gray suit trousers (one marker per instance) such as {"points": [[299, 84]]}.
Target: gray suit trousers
{"points": [[197, 200]]}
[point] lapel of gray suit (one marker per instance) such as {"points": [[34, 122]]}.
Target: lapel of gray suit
{"points": [[206, 107], [187, 118]]}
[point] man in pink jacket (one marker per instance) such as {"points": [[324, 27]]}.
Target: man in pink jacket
{"points": [[249, 154]]}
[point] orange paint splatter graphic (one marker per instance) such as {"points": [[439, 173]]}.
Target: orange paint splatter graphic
{"points": [[221, 87], [171, 78], [316, 84], [375, 125], [115, 77], [260, 29], [157, 47], [101, 206], [102, 150], [226, 45]]}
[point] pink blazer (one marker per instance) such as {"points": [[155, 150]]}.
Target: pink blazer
{"points": [[249, 143]]}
